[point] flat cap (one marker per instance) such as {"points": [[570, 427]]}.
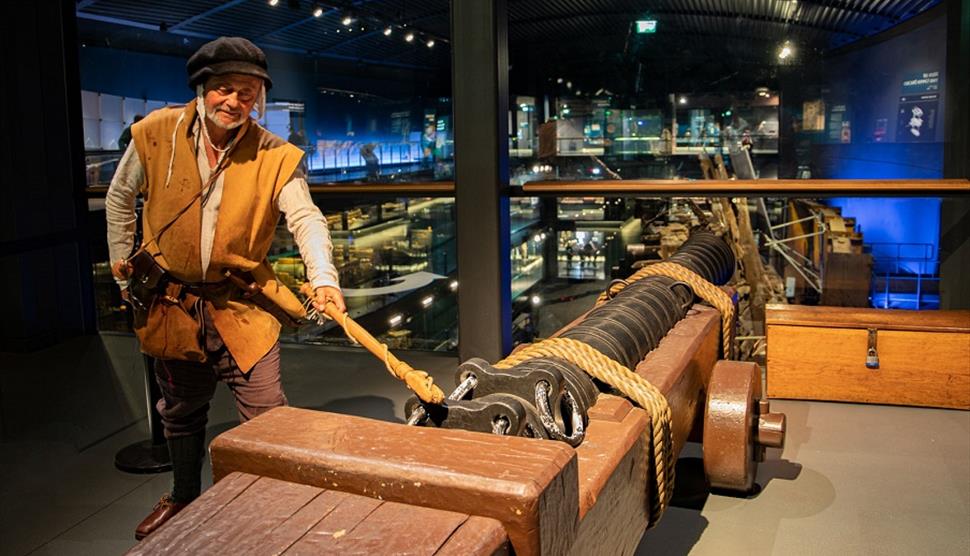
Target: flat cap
{"points": [[227, 55]]}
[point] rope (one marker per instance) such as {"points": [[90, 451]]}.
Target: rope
{"points": [[658, 440], [704, 289]]}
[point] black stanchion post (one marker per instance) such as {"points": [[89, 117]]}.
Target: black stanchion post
{"points": [[147, 456]]}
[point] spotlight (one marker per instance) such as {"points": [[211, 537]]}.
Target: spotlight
{"points": [[560, 80], [453, 285], [317, 11], [536, 300], [409, 37], [395, 320], [569, 84], [427, 301], [388, 31], [785, 52], [683, 100], [274, 2], [537, 238], [347, 20], [430, 43]]}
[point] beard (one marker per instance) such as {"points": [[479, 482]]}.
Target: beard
{"points": [[213, 116]]}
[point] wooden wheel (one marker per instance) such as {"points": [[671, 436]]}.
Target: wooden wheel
{"points": [[730, 425]]}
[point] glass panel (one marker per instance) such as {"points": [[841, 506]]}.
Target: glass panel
{"points": [[397, 264], [364, 90], [752, 90], [773, 89], [846, 252]]}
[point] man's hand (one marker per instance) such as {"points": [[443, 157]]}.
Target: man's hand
{"points": [[121, 270], [324, 294]]}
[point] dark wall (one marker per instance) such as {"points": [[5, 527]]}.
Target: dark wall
{"points": [[44, 272]]}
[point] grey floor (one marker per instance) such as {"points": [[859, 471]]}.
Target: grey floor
{"points": [[852, 479]]}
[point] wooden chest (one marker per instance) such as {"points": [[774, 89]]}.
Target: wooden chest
{"points": [[921, 358]]}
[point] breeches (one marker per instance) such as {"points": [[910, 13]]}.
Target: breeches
{"points": [[187, 387]]}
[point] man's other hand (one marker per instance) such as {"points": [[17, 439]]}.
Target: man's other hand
{"points": [[324, 294]]}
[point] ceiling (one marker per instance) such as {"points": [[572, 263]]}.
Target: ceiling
{"points": [[697, 42]]}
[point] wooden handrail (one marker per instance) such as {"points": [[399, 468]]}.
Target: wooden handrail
{"points": [[416, 189], [784, 188], [814, 188]]}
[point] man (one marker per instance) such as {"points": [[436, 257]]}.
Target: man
{"points": [[215, 184]]}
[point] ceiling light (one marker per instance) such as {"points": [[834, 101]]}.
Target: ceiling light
{"points": [[274, 2], [785, 52], [317, 11], [409, 37], [388, 31], [453, 285], [395, 320], [683, 100], [536, 299], [347, 20], [427, 301], [430, 43], [569, 84]]}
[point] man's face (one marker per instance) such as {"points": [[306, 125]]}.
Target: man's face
{"points": [[230, 98]]}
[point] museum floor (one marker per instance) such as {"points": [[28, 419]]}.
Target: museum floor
{"points": [[852, 479]]}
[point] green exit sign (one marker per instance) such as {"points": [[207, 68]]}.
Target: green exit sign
{"points": [[646, 26]]}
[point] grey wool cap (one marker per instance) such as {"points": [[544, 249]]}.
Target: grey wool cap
{"points": [[227, 55]]}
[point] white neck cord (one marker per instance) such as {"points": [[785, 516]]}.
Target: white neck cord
{"points": [[205, 133]]}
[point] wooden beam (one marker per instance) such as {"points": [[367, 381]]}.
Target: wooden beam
{"points": [[784, 188]]}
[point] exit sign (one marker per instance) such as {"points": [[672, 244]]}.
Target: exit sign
{"points": [[646, 26]]}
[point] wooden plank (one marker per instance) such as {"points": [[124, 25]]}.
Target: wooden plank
{"points": [[883, 319], [477, 536], [529, 486], [752, 187], [915, 368], [170, 538], [322, 538], [279, 539], [395, 528], [265, 505]]}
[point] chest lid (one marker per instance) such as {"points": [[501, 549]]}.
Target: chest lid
{"points": [[860, 317]]}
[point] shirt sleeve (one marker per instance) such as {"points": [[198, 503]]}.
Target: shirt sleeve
{"points": [[119, 204], [309, 229]]}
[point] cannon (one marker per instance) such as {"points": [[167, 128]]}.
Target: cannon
{"points": [[539, 454]]}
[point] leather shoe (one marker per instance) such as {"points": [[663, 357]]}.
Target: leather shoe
{"points": [[164, 510]]}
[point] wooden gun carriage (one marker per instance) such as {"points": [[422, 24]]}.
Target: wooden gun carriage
{"points": [[300, 481]]}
